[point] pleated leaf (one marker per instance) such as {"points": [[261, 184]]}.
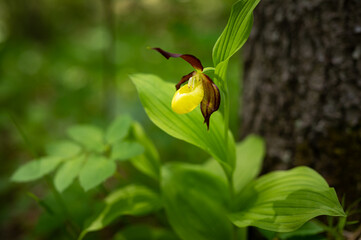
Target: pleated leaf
{"points": [[195, 202], [236, 31], [130, 200], [283, 201], [156, 96], [250, 153]]}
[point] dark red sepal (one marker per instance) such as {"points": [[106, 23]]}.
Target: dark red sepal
{"points": [[184, 79], [211, 99], [192, 60]]}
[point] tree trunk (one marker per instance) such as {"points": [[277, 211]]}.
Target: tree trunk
{"points": [[302, 88]]}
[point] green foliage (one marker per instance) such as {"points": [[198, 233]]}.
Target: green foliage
{"points": [[307, 230], [64, 149], [68, 172], [283, 201], [236, 31], [36, 169], [95, 171], [130, 200], [90, 137], [91, 156], [126, 150], [118, 129], [156, 95], [195, 202], [232, 38]]}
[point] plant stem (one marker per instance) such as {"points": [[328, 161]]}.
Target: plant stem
{"points": [[73, 228], [226, 117], [207, 69], [226, 130]]}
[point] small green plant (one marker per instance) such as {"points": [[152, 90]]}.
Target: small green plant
{"points": [[214, 200]]}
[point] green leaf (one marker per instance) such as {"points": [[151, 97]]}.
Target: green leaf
{"points": [[250, 153], [68, 172], [148, 162], [130, 200], [36, 169], [156, 96], [64, 149], [283, 201], [195, 202], [118, 129], [309, 228], [236, 31], [308, 231], [95, 171], [126, 150], [89, 136]]}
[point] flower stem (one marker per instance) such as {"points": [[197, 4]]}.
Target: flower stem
{"points": [[207, 69], [226, 116], [71, 226]]}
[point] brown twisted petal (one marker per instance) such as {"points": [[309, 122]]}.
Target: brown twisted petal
{"points": [[192, 60], [211, 99], [184, 79]]}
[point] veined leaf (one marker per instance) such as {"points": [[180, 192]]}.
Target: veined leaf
{"points": [[250, 153], [63, 149], [156, 96], [236, 31], [68, 172], [148, 162], [130, 200], [283, 201], [118, 129], [195, 202], [89, 136], [95, 171], [36, 169], [126, 150]]}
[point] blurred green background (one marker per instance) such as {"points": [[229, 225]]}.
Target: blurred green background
{"points": [[64, 62]]}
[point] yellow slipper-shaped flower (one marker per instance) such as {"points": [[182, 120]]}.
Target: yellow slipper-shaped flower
{"points": [[200, 89]]}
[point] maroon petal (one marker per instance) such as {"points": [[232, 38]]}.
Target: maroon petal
{"points": [[184, 79], [192, 60], [211, 99]]}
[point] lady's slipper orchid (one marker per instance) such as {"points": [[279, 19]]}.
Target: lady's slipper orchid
{"points": [[200, 89]]}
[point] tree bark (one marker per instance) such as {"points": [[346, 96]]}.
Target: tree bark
{"points": [[302, 88]]}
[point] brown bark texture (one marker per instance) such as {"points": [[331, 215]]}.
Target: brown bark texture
{"points": [[302, 88]]}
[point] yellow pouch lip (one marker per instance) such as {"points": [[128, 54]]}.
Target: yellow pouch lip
{"points": [[187, 98]]}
